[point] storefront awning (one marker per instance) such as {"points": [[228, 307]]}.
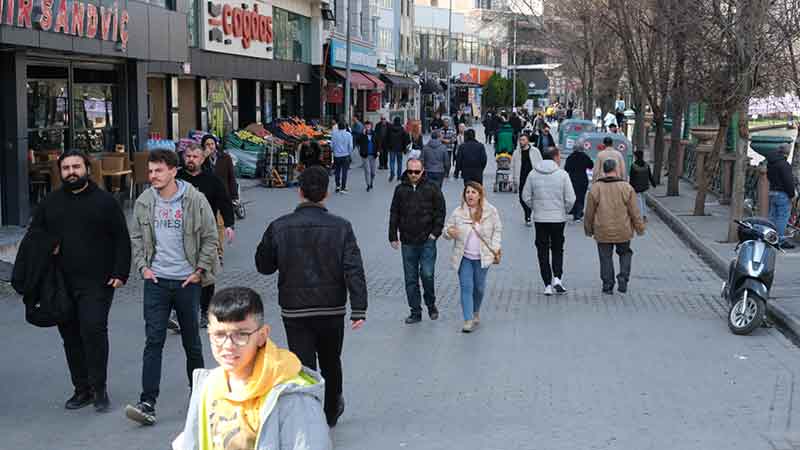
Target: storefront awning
{"points": [[399, 81], [357, 79], [377, 82]]}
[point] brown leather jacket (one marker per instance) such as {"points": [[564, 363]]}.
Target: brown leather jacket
{"points": [[612, 212], [224, 170]]}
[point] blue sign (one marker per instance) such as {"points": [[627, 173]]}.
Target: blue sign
{"points": [[362, 58]]}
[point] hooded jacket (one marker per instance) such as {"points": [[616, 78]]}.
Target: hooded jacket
{"points": [[397, 139], [548, 192], [434, 156], [281, 405], [612, 212], [200, 238], [318, 262], [416, 212], [779, 174]]}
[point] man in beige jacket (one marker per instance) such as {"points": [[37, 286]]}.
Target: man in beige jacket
{"points": [[609, 153], [612, 215]]}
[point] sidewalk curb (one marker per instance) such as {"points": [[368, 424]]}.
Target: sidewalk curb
{"points": [[718, 264]]}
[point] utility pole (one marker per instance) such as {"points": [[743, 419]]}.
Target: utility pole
{"points": [[347, 63], [449, 53], [514, 78]]}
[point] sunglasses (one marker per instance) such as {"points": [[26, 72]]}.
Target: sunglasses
{"points": [[414, 172]]}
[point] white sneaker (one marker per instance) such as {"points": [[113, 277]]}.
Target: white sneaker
{"points": [[557, 287], [548, 290]]}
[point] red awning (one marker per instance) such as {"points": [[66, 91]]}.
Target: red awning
{"points": [[379, 85], [357, 79]]}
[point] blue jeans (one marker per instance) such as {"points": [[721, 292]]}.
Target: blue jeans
{"points": [[780, 207], [395, 164], [472, 278], [159, 300], [419, 262], [341, 164]]}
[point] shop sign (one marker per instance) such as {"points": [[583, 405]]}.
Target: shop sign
{"points": [[74, 18], [241, 27], [374, 101], [334, 94], [363, 59]]}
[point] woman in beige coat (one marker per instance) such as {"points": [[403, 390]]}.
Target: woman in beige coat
{"points": [[476, 230]]}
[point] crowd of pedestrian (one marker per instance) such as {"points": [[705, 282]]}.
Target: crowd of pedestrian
{"points": [[270, 397]]}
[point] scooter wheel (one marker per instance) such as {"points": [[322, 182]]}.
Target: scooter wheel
{"points": [[744, 320]]}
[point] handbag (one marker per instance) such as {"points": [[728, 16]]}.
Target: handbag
{"points": [[496, 253]]}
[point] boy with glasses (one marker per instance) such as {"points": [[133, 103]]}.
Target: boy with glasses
{"points": [[260, 396]]}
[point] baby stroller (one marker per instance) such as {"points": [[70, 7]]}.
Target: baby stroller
{"points": [[502, 178]]}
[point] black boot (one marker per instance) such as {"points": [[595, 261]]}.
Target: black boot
{"points": [[79, 400], [101, 401]]}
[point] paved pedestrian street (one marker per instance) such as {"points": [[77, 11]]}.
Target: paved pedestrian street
{"points": [[656, 368]]}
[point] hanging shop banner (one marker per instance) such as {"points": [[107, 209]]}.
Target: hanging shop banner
{"points": [[363, 59], [374, 101], [72, 17], [334, 94], [242, 27], [220, 106]]}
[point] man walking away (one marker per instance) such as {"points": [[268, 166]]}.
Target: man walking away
{"points": [[214, 191], [577, 165], [381, 128], [319, 264], [609, 152], [516, 125], [342, 146], [781, 191], [611, 217], [448, 138], [641, 180], [397, 140], [471, 160], [94, 249], [174, 239], [417, 213], [368, 150], [548, 192], [434, 158], [522, 162]]}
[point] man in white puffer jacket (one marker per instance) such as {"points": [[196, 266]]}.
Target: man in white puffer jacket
{"points": [[548, 192]]}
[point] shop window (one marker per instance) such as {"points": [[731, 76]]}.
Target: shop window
{"points": [[292, 36], [48, 110], [93, 113]]}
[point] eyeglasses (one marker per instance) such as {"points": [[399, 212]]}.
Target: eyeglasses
{"points": [[238, 338], [414, 172]]}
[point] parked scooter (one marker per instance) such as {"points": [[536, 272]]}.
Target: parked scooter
{"points": [[751, 274]]}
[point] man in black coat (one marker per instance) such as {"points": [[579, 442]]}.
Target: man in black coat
{"points": [[213, 189], [781, 191], [319, 263], [381, 128], [471, 160], [94, 248], [545, 139], [417, 213]]}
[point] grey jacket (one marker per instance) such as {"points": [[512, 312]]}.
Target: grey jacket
{"points": [[434, 156], [548, 192], [200, 238], [291, 417]]}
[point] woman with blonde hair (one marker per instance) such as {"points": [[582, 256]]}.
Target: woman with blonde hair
{"points": [[476, 230]]}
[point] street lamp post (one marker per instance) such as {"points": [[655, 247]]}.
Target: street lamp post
{"points": [[347, 65], [514, 78], [449, 53]]}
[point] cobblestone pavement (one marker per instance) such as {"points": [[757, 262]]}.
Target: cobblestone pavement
{"points": [[654, 369]]}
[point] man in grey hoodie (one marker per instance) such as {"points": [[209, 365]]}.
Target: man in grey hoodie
{"points": [[548, 192], [174, 240], [435, 158]]}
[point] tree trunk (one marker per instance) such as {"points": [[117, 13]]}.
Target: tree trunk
{"points": [[658, 145], [673, 181], [708, 167], [740, 170], [796, 155]]}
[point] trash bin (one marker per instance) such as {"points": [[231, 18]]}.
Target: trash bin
{"points": [[592, 144], [569, 131], [764, 145]]}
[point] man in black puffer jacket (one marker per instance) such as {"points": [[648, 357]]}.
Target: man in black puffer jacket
{"points": [[418, 213], [781, 190], [397, 140], [319, 263]]}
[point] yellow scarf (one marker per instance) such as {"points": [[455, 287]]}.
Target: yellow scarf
{"points": [[273, 366]]}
